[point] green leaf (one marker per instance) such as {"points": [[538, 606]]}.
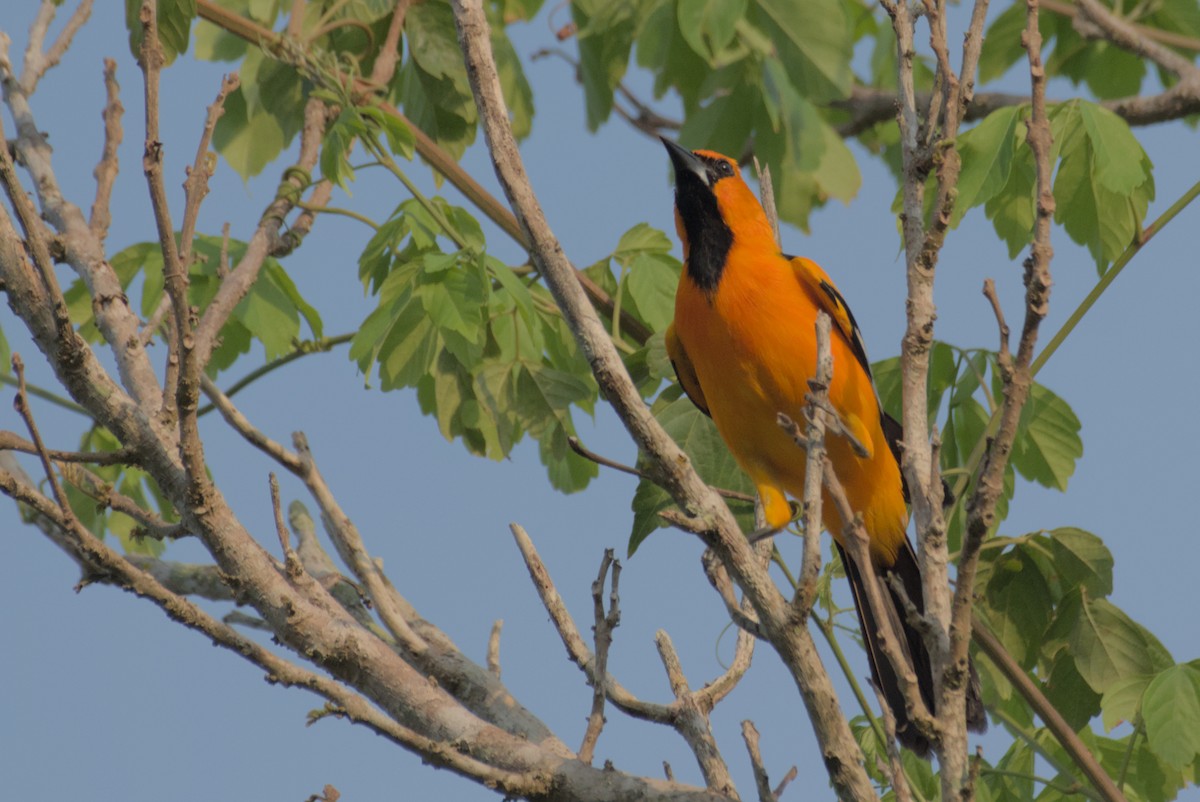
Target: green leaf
{"points": [[518, 95], [517, 10], [1123, 700], [1082, 560], [1002, 45], [1171, 710], [433, 41], [213, 43], [335, 148], [1019, 604], [174, 25], [709, 25], [651, 284], [1048, 443], [724, 124], [662, 50], [987, 156], [269, 315], [1068, 692], [441, 107], [400, 138], [1108, 646], [814, 39], [605, 38], [568, 471], [1100, 206], [545, 395], [248, 141], [642, 238], [1113, 145], [1011, 210]]}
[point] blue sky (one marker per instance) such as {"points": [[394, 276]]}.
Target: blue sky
{"points": [[105, 699]]}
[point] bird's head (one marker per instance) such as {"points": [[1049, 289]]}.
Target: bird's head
{"points": [[713, 207]]}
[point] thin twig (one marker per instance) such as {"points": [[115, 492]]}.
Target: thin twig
{"points": [[106, 170], [21, 405], [602, 630], [291, 561], [583, 451], [10, 441], [386, 56], [196, 185], [989, 292], [577, 649], [691, 721], [242, 425], [108, 497], [493, 650], [761, 781], [893, 769], [39, 62], [352, 549], [814, 437]]}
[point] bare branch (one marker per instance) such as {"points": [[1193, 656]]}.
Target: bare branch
{"points": [[602, 630], [385, 59], [893, 769], [39, 62], [1095, 21], [989, 292], [493, 651], [761, 781], [106, 170], [21, 405], [242, 425], [196, 185], [10, 441], [718, 577], [351, 548], [266, 235], [691, 721], [291, 561], [577, 649], [814, 471], [583, 451]]}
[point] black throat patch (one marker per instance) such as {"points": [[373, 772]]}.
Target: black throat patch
{"points": [[709, 237]]}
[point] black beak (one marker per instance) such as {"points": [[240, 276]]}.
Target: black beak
{"points": [[685, 161]]}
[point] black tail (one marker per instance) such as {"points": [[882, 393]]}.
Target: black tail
{"points": [[911, 644]]}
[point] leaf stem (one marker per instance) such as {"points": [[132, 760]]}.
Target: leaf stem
{"points": [[1020, 775], [1110, 276], [303, 349], [362, 218], [1133, 739], [1073, 321], [1029, 737], [387, 161], [46, 395]]}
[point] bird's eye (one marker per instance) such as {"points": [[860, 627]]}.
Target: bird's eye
{"points": [[724, 169]]}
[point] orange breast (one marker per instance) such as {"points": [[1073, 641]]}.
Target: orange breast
{"points": [[753, 347]]}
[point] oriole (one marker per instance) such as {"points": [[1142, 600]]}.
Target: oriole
{"points": [[743, 345]]}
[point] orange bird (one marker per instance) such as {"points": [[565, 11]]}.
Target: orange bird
{"points": [[743, 344]]}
